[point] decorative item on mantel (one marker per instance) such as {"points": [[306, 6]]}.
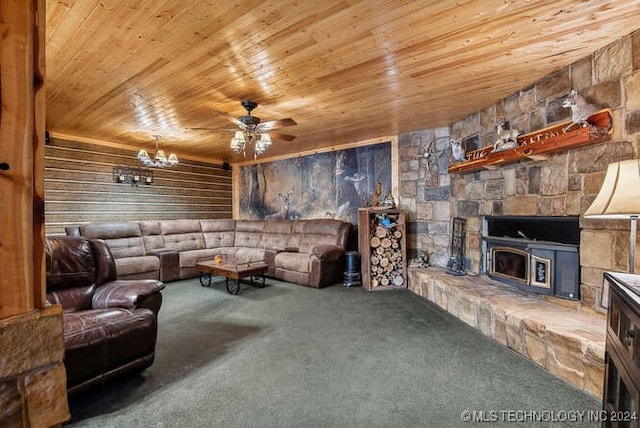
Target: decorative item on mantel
{"points": [[376, 195], [160, 159], [132, 175], [580, 110], [507, 137], [422, 261], [455, 266], [457, 151], [388, 201], [539, 144]]}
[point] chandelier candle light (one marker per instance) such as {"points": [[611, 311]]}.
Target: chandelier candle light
{"points": [[160, 159]]}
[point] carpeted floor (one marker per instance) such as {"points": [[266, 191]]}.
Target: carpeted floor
{"points": [[292, 356]]}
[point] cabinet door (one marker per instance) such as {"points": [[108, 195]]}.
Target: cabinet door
{"points": [[621, 397], [624, 333]]}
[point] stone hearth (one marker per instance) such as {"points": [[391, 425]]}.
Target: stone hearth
{"points": [[568, 342]]}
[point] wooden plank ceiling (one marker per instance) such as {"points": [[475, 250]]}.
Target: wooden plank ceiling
{"points": [[345, 70]]}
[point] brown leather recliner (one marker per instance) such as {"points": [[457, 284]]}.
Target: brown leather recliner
{"points": [[110, 326]]}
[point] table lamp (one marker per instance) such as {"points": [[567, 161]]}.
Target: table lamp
{"points": [[619, 198]]}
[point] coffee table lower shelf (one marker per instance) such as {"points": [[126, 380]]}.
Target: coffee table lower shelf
{"points": [[233, 273]]}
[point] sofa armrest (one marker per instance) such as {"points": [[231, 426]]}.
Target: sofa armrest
{"points": [[169, 263], [126, 294], [328, 252]]}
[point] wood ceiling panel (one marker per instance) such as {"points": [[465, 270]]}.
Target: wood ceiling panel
{"points": [[345, 70]]}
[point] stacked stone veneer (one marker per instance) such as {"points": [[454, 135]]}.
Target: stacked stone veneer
{"points": [[562, 185], [567, 342], [33, 385]]}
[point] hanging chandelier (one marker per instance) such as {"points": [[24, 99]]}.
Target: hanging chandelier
{"points": [[242, 138], [160, 159]]}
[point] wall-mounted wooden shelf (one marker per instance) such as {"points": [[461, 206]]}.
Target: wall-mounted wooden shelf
{"points": [[539, 144]]}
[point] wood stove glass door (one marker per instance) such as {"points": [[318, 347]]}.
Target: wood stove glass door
{"points": [[510, 263]]}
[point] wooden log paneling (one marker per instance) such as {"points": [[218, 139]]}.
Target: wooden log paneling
{"points": [[79, 188]]}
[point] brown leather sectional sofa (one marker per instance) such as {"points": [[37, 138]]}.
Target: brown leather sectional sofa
{"points": [[307, 252]]}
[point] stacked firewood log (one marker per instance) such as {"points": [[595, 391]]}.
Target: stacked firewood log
{"points": [[387, 260]]}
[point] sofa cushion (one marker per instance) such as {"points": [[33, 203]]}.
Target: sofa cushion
{"points": [[274, 240], [218, 233], [278, 226], [110, 230], [248, 233], [151, 235], [170, 227], [150, 227], [242, 254], [297, 228], [299, 262], [219, 239], [189, 258], [218, 225], [71, 272], [250, 226], [126, 247], [185, 241], [276, 234], [134, 265], [182, 235], [320, 232]]}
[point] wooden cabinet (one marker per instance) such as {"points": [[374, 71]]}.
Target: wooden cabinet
{"points": [[622, 358], [382, 246]]}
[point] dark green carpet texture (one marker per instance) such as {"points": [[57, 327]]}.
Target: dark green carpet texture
{"points": [[292, 356]]}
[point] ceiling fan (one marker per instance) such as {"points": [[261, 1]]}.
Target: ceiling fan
{"points": [[252, 131]]}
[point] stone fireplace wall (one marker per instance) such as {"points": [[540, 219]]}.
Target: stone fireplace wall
{"points": [[564, 184]]}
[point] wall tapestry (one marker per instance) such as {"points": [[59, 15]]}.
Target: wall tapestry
{"points": [[330, 185]]}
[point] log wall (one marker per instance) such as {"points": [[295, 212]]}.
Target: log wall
{"points": [[80, 188]]}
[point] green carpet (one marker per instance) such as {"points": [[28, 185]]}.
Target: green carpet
{"points": [[292, 356]]}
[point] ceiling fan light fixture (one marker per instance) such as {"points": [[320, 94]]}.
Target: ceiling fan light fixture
{"points": [[259, 148], [265, 140], [237, 142], [251, 131]]}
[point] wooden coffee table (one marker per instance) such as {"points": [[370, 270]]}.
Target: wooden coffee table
{"points": [[233, 273]]}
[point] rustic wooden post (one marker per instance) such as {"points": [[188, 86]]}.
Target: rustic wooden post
{"points": [[21, 156], [32, 372]]}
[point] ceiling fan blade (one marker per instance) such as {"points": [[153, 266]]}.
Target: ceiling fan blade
{"points": [[283, 137], [213, 129], [231, 118], [274, 124]]}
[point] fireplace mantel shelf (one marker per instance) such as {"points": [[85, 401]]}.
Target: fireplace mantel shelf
{"points": [[539, 144]]}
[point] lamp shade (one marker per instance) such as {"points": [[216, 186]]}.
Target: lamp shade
{"points": [[143, 155], [619, 196]]}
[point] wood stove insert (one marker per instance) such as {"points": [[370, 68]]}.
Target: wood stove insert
{"points": [[538, 254]]}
